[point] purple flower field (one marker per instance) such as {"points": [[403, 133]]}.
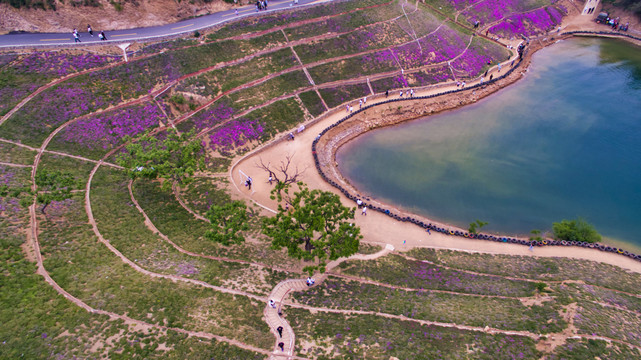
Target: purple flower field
{"points": [[60, 64], [234, 135], [215, 114], [489, 11], [106, 130], [531, 23]]}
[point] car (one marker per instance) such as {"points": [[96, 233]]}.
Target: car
{"points": [[602, 18]]}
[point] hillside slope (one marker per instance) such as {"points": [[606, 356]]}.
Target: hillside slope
{"points": [[108, 15]]}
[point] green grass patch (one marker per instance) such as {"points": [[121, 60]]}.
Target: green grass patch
{"points": [[396, 270], [89, 271], [123, 226], [260, 23], [268, 90], [341, 94], [536, 268], [312, 102], [15, 154], [581, 349], [500, 313], [339, 336]]}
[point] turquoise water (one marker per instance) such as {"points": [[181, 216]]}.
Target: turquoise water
{"points": [[563, 142]]}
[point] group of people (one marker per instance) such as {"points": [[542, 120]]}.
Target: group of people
{"points": [[261, 5], [76, 35]]}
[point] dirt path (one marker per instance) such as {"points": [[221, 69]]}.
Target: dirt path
{"points": [[150, 225], [35, 249], [281, 290], [176, 190]]}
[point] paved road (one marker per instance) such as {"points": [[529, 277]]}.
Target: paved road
{"points": [[119, 36]]}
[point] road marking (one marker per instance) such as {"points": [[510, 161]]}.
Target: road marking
{"points": [[55, 39], [122, 35], [182, 27]]}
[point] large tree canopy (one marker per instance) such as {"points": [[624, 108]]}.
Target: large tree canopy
{"points": [[173, 157], [227, 222], [315, 226]]}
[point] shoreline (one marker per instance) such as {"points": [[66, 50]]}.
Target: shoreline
{"points": [[380, 228]]}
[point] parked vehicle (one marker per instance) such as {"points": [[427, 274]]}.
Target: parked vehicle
{"points": [[602, 18]]}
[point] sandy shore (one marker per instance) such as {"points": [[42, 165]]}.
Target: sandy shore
{"points": [[376, 227]]}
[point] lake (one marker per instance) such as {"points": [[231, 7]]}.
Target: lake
{"points": [[564, 142]]}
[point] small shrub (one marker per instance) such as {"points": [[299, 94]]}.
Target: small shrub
{"points": [[575, 230]]}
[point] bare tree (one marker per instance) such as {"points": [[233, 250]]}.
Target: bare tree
{"points": [[282, 174]]}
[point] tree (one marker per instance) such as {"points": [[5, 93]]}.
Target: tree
{"points": [[477, 225], [54, 186], [174, 158], [575, 230], [227, 222], [315, 227], [282, 174]]}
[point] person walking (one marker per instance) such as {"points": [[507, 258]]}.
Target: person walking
{"points": [[89, 30], [364, 212], [280, 331], [401, 94], [102, 35], [76, 36]]}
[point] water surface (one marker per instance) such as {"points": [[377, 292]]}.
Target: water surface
{"points": [[564, 142]]}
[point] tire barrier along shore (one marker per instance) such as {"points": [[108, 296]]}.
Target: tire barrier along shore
{"points": [[432, 227]]}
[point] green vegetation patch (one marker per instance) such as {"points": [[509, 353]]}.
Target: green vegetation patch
{"points": [[124, 227], [357, 66], [339, 336], [88, 270], [15, 154], [372, 37], [397, 270], [273, 88], [479, 311], [256, 24], [214, 82], [614, 323], [312, 102], [345, 22], [338, 95], [536, 268], [581, 349]]}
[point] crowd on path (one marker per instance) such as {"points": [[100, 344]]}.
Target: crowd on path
{"points": [[76, 34]]}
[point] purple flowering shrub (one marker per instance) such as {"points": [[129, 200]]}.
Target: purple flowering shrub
{"points": [[13, 176], [270, 21], [441, 46], [234, 134], [341, 94], [475, 59], [345, 22], [217, 113], [371, 37], [530, 23], [105, 131], [489, 11], [56, 64]]}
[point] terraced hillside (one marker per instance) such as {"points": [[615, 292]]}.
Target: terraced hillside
{"points": [[122, 268]]}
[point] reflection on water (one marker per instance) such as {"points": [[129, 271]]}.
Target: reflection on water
{"points": [[564, 142]]}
